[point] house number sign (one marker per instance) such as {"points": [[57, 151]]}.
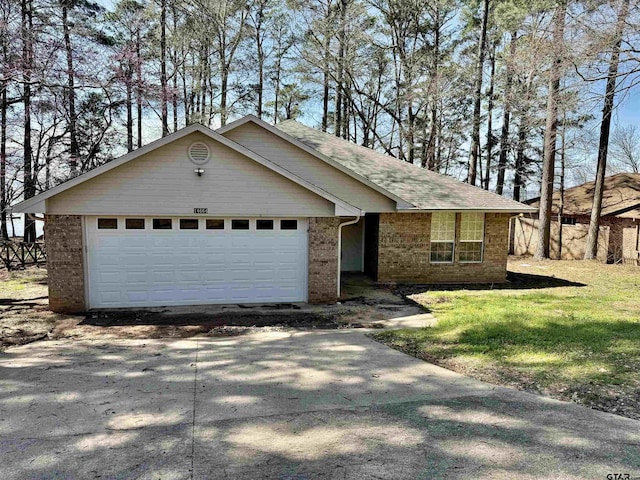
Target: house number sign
{"points": [[200, 210]]}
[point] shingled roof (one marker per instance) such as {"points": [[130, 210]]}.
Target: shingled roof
{"points": [[424, 189], [621, 194]]}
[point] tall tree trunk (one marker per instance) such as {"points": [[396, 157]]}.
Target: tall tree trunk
{"points": [[276, 93], [490, 142], [174, 93], [591, 250], [139, 87], [519, 164], [185, 93], [550, 134], [224, 85], [27, 59], [129, 106], [260, 55], [325, 85], [430, 160], [74, 149], [477, 101], [4, 233], [163, 69], [562, 175], [339, 107], [506, 117]]}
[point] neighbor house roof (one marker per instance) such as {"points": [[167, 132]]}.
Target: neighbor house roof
{"points": [[621, 194], [424, 189]]}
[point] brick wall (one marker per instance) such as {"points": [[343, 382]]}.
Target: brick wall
{"points": [[65, 263], [323, 259], [404, 250]]}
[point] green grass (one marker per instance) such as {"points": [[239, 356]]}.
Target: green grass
{"points": [[545, 335]]}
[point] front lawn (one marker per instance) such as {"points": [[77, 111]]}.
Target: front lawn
{"points": [[567, 329]]}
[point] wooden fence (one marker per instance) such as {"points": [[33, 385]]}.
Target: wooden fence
{"points": [[20, 254]]}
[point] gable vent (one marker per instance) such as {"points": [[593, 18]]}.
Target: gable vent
{"points": [[199, 153]]}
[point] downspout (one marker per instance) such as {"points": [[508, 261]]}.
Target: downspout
{"points": [[350, 222]]}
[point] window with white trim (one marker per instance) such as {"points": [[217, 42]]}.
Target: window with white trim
{"points": [[471, 237], [443, 235]]}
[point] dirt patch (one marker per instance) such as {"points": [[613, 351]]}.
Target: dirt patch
{"points": [[213, 323], [24, 315]]}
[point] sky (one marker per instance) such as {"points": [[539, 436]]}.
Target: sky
{"points": [[629, 111]]}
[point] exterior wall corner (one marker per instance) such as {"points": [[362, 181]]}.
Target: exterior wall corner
{"points": [[64, 243], [323, 260]]}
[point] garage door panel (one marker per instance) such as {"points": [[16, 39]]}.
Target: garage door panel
{"points": [[136, 278], [176, 267], [161, 276], [188, 276], [135, 296]]}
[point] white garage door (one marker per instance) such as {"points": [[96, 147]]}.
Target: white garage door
{"points": [[138, 262]]}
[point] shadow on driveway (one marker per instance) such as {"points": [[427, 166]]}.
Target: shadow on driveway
{"points": [[286, 405]]}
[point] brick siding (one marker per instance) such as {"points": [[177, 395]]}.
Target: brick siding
{"points": [[65, 263], [404, 251], [323, 259]]}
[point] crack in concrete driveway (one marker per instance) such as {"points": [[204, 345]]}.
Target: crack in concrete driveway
{"points": [[285, 405]]}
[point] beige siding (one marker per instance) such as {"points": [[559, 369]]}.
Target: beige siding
{"points": [[574, 239], [310, 168], [163, 182]]}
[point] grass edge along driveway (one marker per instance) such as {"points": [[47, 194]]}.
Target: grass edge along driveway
{"points": [[567, 329]]}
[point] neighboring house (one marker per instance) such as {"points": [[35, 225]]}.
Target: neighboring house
{"points": [[253, 213], [619, 235]]}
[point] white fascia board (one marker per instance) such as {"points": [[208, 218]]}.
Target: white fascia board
{"points": [[515, 209], [400, 202], [34, 207]]}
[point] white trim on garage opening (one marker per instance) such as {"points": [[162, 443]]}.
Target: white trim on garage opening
{"points": [[105, 248]]}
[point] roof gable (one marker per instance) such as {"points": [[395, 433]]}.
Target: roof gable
{"points": [[274, 130], [163, 182], [424, 189], [37, 204]]}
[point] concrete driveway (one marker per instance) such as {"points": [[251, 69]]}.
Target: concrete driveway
{"points": [[286, 405]]}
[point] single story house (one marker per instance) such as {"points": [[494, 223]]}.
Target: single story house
{"points": [[619, 235], [255, 213]]}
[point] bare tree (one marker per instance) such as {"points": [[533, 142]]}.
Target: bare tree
{"points": [[29, 188], [164, 96], [71, 92], [506, 115], [625, 149], [477, 98], [591, 249], [550, 133]]}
